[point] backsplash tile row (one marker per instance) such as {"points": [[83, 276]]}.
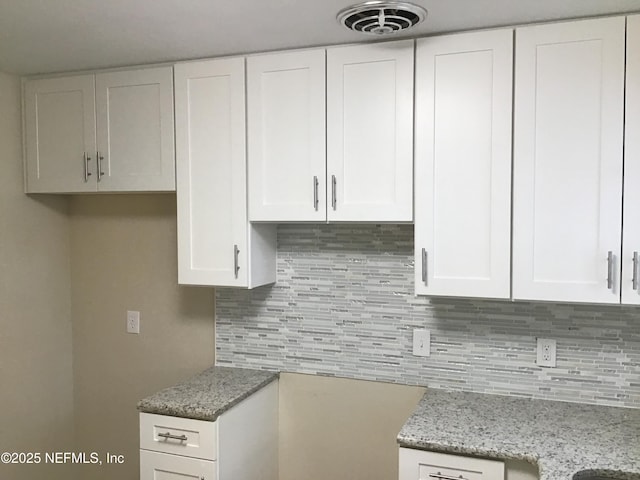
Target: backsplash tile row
{"points": [[344, 305]]}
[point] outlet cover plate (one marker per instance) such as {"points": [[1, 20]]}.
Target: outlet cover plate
{"points": [[546, 353], [133, 321]]}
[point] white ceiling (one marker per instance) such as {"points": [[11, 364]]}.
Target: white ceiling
{"points": [[38, 36]]}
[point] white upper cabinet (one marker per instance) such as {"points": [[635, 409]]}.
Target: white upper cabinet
{"points": [[60, 134], [110, 132], [568, 126], [216, 244], [463, 164], [135, 130], [286, 136], [370, 132], [630, 285]]}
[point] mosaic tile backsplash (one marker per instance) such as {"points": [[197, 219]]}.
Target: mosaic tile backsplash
{"points": [[344, 305]]}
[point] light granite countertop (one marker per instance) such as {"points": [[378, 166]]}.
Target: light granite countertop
{"points": [[208, 394], [562, 439]]}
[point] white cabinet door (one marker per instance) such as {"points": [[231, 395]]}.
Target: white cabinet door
{"points": [[630, 285], [286, 136], [425, 465], [162, 466], [135, 130], [569, 91], [463, 164], [216, 244], [370, 132], [60, 134]]}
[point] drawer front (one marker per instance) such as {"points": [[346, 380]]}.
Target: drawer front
{"points": [[156, 466], [180, 436], [423, 465]]}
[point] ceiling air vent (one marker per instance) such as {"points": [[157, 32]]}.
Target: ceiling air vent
{"points": [[381, 18]]}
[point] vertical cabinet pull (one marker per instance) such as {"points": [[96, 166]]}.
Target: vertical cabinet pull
{"points": [[610, 270], [333, 192], [87, 173], [634, 278], [100, 172], [315, 192], [236, 265], [424, 265]]}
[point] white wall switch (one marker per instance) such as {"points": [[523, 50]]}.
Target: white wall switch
{"points": [[546, 354], [421, 342], [133, 321]]}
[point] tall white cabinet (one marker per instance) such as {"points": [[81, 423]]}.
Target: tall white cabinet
{"points": [[370, 132], [630, 284], [216, 244], [286, 136], [568, 125], [463, 164], [104, 132]]}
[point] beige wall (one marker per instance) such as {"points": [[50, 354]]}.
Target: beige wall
{"points": [[124, 258], [340, 428], [36, 400]]}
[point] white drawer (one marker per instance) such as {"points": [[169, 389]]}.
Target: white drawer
{"points": [[180, 436], [424, 465], [154, 465]]}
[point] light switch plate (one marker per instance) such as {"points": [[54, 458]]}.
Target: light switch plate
{"points": [[421, 342]]}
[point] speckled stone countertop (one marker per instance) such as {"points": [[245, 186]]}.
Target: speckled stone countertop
{"points": [[562, 439], [208, 394]]}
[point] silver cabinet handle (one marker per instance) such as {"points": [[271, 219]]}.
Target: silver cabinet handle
{"points": [[170, 436], [100, 172], [440, 476], [424, 265], [634, 278], [315, 192], [236, 265], [87, 173], [610, 270], [333, 192]]}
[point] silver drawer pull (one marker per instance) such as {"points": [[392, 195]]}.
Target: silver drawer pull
{"points": [[167, 436], [440, 476]]}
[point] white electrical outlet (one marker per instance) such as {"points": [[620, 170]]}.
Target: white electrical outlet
{"points": [[133, 321], [546, 356], [421, 342]]}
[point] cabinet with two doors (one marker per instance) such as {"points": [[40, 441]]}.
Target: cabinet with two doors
{"points": [[365, 173], [243, 162], [576, 237], [106, 132]]}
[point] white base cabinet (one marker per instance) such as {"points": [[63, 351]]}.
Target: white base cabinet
{"points": [[425, 465], [156, 466], [242, 444], [463, 164], [108, 132]]}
